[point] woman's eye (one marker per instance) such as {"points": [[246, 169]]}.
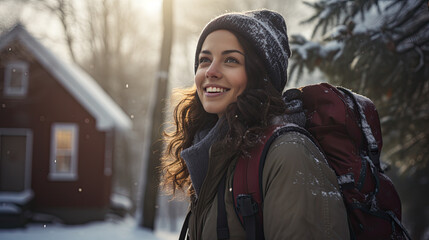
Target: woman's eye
{"points": [[231, 60], [204, 60]]}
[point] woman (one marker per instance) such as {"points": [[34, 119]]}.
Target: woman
{"points": [[240, 72]]}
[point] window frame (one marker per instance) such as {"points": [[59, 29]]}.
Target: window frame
{"points": [[72, 175], [10, 91]]}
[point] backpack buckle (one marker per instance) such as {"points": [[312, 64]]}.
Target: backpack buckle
{"points": [[246, 206]]}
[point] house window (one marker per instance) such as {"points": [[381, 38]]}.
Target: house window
{"points": [[16, 79], [64, 142]]}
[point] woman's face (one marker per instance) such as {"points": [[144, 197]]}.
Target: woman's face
{"points": [[221, 75]]}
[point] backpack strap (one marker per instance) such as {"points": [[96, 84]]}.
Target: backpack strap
{"points": [[247, 183], [222, 220], [373, 150]]}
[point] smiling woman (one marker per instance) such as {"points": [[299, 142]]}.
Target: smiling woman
{"points": [[240, 72]]}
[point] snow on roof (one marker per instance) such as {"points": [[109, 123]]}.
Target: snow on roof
{"points": [[82, 86]]}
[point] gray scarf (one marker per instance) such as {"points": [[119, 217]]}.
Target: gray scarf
{"points": [[196, 156]]}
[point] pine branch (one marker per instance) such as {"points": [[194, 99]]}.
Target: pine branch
{"points": [[407, 145], [394, 3], [409, 15], [421, 59], [292, 71], [325, 12], [418, 27], [316, 28], [378, 7]]}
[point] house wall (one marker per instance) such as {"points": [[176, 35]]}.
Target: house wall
{"points": [[48, 102]]}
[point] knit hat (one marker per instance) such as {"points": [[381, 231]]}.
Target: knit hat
{"points": [[266, 31]]}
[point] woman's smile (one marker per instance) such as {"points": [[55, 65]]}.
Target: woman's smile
{"points": [[215, 91]]}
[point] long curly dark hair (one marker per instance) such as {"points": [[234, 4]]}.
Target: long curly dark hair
{"points": [[247, 118]]}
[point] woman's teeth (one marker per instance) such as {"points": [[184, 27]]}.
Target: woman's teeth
{"points": [[215, 90]]}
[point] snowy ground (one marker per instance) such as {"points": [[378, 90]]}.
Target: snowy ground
{"points": [[108, 230]]}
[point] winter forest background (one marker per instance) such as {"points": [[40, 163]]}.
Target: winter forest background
{"points": [[379, 48]]}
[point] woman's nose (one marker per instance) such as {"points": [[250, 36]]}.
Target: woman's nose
{"points": [[214, 71]]}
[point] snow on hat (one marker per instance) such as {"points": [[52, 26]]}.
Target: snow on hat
{"points": [[266, 31]]}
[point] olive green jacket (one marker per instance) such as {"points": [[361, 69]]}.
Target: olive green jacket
{"points": [[300, 192]]}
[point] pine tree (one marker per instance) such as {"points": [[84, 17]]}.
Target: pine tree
{"points": [[380, 49]]}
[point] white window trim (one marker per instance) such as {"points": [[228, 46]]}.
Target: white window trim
{"points": [[28, 155], [73, 175], [8, 90]]}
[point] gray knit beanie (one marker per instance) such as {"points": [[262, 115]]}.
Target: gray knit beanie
{"points": [[266, 31]]}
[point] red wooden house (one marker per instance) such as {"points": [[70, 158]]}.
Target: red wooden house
{"points": [[57, 132]]}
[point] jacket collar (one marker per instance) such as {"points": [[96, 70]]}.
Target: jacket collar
{"points": [[196, 156]]}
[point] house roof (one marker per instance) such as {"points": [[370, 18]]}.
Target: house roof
{"points": [[82, 86]]}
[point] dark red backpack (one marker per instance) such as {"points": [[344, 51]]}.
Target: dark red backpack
{"points": [[346, 127]]}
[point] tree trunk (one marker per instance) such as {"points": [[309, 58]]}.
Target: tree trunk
{"points": [[154, 155]]}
